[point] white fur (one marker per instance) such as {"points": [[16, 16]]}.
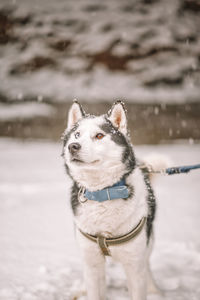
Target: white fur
{"points": [[157, 163], [114, 218], [103, 167]]}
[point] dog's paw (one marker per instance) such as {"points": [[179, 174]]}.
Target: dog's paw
{"points": [[153, 289], [77, 291]]}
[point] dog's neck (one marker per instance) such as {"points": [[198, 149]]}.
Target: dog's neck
{"points": [[98, 179]]}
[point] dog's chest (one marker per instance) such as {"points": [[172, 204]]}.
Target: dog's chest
{"points": [[109, 218], [114, 217]]}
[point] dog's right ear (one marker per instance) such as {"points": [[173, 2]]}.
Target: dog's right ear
{"points": [[117, 116], [75, 114]]}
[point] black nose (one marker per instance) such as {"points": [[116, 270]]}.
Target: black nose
{"points": [[74, 147]]}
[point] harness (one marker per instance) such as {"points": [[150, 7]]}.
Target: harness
{"points": [[104, 243], [120, 190]]}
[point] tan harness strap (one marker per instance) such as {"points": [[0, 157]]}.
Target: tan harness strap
{"points": [[101, 241], [105, 242], [125, 238]]}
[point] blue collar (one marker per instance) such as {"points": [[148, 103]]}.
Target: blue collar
{"points": [[117, 191]]}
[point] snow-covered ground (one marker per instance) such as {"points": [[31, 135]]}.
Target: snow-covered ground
{"points": [[39, 258]]}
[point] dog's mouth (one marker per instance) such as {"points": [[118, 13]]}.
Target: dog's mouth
{"points": [[79, 161]]}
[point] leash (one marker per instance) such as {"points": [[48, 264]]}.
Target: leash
{"points": [[183, 169], [172, 170]]}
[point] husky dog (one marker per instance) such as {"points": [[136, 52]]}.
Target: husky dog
{"points": [[112, 199]]}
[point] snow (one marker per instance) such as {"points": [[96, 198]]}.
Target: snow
{"points": [[38, 252]]}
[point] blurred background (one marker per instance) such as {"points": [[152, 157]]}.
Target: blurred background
{"points": [[143, 52]]}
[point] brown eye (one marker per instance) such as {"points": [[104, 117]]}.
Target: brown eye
{"points": [[99, 136]]}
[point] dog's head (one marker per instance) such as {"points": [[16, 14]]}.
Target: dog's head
{"points": [[96, 149]]}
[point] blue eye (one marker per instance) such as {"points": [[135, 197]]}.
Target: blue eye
{"points": [[99, 136], [77, 135]]}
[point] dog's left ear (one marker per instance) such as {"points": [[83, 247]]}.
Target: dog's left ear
{"points": [[75, 114], [117, 116]]}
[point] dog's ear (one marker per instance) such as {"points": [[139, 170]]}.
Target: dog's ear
{"points": [[75, 114], [117, 116]]}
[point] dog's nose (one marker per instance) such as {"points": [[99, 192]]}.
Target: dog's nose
{"points": [[74, 147]]}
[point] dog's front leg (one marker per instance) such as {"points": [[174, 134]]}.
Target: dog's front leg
{"points": [[94, 268], [137, 281], [94, 274]]}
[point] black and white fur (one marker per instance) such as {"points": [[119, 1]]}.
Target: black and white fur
{"points": [[95, 163]]}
